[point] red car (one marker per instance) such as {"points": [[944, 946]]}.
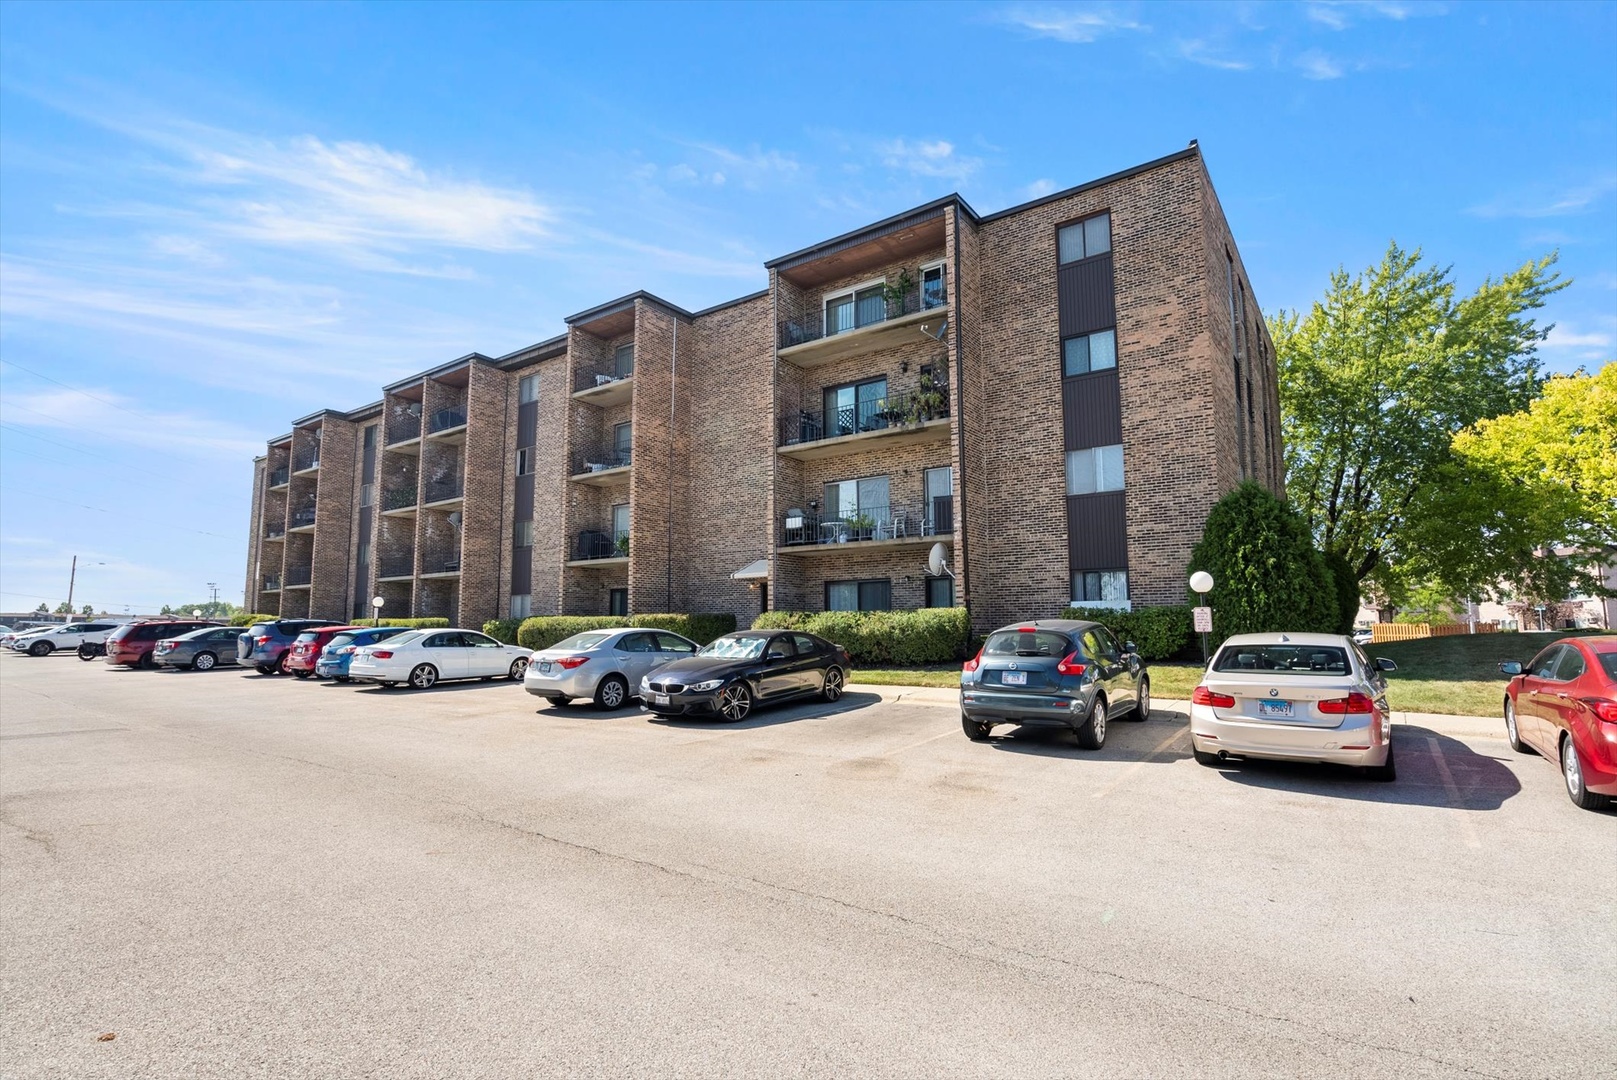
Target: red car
{"points": [[131, 645], [305, 651], [1564, 705]]}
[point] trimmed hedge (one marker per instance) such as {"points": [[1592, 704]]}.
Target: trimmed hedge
{"points": [[699, 628], [248, 620], [415, 624], [924, 636], [543, 631], [503, 630], [1157, 632]]}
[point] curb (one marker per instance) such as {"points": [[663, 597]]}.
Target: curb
{"points": [[1472, 727]]}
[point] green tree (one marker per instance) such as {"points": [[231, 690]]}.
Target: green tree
{"points": [[1378, 378], [1267, 574], [42, 609], [64, 608], [87, 609], [1345, 591], [211, 609]]}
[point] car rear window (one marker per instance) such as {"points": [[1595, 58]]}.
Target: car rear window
{"points": [[583, 641], [1608, 661], [1027, 643], [260, 629], [336, 642], [1283, 659], [402, 639]]}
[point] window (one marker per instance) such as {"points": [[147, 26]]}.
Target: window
{"points": [[370, 437], [1097, 469], [617, 602], [673, 643], [524, 536], [528, 389], [1099, 586], [805, 645], [620, 523], [939, 592], [622, 442], [874, 595], [855, 407], [521, 605], [367, 494], [1089, 352], [849, 499], [934, 287], [637, 643], [1570, 665], [623, 361], [1084, 239], [525, 461], [939, 487], [364, 554], [860, 306]]}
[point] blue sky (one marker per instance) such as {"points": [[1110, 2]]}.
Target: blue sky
{"points": [[217, 218]]}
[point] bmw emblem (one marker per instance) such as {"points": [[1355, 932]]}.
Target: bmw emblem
{"points": [[1274, 693], [1013, 667]]}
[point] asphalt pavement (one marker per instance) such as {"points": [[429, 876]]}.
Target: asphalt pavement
{"points": [[234, 875]]}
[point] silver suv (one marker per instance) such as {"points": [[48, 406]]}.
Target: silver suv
{"points": [[49, 639]]}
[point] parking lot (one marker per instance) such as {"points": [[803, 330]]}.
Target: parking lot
{"points": [[239, 875]]}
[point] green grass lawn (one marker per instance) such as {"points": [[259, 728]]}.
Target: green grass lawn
{"points": [[1454, 675]]}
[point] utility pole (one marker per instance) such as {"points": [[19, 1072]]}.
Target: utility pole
{"points": [[72, 577], [213, 587]]}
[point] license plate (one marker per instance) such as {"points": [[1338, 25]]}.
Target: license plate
{"points": [[544, 667], [1274, 708], [1013, 678], [659, 699]]}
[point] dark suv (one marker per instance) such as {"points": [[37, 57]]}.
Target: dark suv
{"points": [[131, 645], [265, 645]]}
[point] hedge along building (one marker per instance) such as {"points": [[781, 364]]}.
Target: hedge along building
{"points": [[1057, 393]]}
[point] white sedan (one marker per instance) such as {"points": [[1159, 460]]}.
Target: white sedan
{"points": [[424, 658]]}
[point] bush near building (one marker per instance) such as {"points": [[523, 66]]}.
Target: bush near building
{"points": [[1157, 632], [435, 623], [924, 636], [248, 620], [543, 631]]}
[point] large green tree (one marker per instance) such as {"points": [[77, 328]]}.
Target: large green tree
{"points": [[1377, 379], [1267, 575]]}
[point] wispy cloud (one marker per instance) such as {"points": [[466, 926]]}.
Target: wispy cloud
{"points": [[1543, 203], [928, 157], [1038, 189], [1340, 14], [1075, 25], [1199, 51], [121, 421], [1314, 64], [1564, 337]]}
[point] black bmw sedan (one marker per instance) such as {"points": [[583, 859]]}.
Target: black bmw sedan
{"points": [[731, 674]]}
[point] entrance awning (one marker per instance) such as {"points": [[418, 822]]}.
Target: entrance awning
{"points": [[753, 571]]}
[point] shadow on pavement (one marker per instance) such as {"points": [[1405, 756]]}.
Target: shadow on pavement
{"points": [[440, 688], [1126, 740], [771, 715], [1433, 770]]}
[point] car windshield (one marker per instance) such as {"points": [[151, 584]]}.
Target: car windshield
{"points": [[734, 648], [1608, 661], [1027, 643], [1283, 659], [339, 641], [587, 640]]}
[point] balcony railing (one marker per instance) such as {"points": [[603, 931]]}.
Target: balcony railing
{"points": [[602, 460], [813, 426], [595, 544], [272, 584], [274, 532], [404, 424], [439, 490], [303, 518], [813, 327], [448, 563], [395, 566], [280, 477], [867, 523], [299, 576], [398, 498], [444, 419]]}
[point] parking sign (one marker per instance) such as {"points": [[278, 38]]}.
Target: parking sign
{"points": [[1202, 620]]}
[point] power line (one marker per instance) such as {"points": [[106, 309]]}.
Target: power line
{"points": [[129, 517], [14, 429], [76, 390]]}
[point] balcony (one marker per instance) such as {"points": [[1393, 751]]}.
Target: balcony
{"points": [[272, 584], [808, 342], [275, 532], [597, 548], [441, 566], [603, 468], [299, 578], [404, 428], [302, 521], [279, 478], [604, 390], [400, 500], [441, 493], [872, 527], [918, 421], [448, 425], [308, 464], [396, 567]]}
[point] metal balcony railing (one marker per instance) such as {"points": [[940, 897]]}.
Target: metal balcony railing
{"points": [[299, 576], [394, 566], [280, 477], [308, 461], [595, 544], [614, 457], [867, 523], [303, 518], [447, 563], [444, 419], [274, 532], [404, 424], [398, 498], [813, 426], [439, 490], [813, 327], [272, 584]]}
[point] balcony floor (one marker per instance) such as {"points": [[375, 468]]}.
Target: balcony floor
{"points": [[454, 436], [604, 477], [607, 394], [883, 335], [860, 547], [928, 431], [411, 446], [600, 564]]}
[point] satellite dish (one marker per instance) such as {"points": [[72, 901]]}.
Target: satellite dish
{"points": [[455, 519], [937, 561], [943, 328]]}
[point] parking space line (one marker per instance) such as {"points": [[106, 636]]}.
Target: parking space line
{"points": [[923, 742], [1142, 763], [1472, 840]]}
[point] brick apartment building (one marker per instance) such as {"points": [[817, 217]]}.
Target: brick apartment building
{"points": [[1057, 393]]}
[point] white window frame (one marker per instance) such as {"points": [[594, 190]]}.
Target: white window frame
{"points": [[522, 389], [524, 609], [936, 264], [1125, 604], [525, 461], [524, 531], [1095, 465], [850, 291]]}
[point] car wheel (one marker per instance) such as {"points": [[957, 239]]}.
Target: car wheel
{"points": [[204, 661], [1092, 732], [1511, 734], [1202, 756], [611, 693], [1572, 772], [280, 664], [342, 678], [87, 652], [264, 669], [40, 648], [1385, 774], [831, 689], [560, 699], [975, 730], [147, 661], [519, 668], [300, 673], [423, 677], [1142, 704], [735, 702]]}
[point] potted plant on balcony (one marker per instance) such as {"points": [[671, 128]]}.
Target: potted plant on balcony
{"points": [[896, 292], [860, 526], [931, 399], [622, 547]]}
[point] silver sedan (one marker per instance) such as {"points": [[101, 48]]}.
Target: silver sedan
{"points": [[602, 665], [1294, 697]]}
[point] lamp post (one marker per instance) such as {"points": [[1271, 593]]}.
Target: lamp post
{"points": [[196, 613], [1201, 583], [377, 602]]}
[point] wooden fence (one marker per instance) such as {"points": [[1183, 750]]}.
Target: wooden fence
{"points": [[1380, 632]]}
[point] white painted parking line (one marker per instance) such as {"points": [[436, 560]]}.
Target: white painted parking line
{"points": [[1472, 840], [1142, 763], [923, 742]]}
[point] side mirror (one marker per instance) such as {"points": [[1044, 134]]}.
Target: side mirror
{"points": [[775, 654], [1128, 647], [1383, 664], [1511, 667]]}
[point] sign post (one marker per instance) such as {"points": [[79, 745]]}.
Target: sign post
{"points": [[1201, 583], [377, 602]]}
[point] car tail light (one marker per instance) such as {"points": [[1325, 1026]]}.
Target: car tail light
{"points": [[1353, 703], [382, 654], [345, 650], [973, 664], [1203, 696], [568, 663], [261, 640], [1069, 665], [1606, 710]]}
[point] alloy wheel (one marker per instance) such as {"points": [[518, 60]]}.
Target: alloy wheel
{"points": [[735, 703], [423, 677], [612, 692], [203, 662], [833, 684], [519, 668], [1572, 769], [1144, 706]]}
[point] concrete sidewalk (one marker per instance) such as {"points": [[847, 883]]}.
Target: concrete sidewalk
{"points": [[1474, 727]]}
